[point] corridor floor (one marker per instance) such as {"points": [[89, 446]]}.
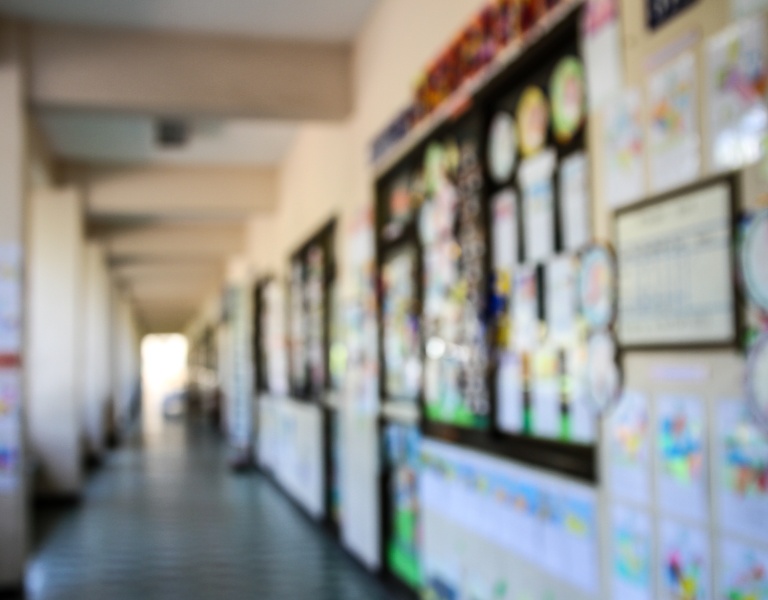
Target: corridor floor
{"points": [[165, 519]]}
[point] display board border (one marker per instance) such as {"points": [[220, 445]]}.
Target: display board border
{"points": [[732, 180]]}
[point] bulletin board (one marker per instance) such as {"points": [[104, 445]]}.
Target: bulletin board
{"points": [[495, 205]]}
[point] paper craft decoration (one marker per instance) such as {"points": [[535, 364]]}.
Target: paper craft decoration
{"points": [[623, 150], [573, 182], [629, 449], [532, 120], [674, 144], [744, 571], [603, 376], [535, 177], [754, 264], [597, 287], [684, 562], [502, 147], [741, 455], [632, 554], [681, 458], [674, 258], [757, 380], [738, 80], [568, 96]]}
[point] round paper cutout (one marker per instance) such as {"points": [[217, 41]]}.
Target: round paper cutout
{"points": [[603, 376], [568, 97], [754, 260], [532, 120], [597, 287], [502, 147], [757, 380]]}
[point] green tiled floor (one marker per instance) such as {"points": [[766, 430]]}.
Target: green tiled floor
{"points": [[169, 521]]}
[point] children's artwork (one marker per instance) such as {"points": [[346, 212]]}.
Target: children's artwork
{"points": [[504, 211], [674, 146], [10, 392], [315, 321], [738, 81], [573, 186], [568, 96], [681, 461], [582, 421], [561, 300], [546, 397], [597, 287], [754, 267], [744, 572], [532, 120], [502, 147], [742, 471], [603, 375], [10, 454], [510, 393], [632, 554], [401, 331], [628, 433], [623, 150], [757, 380], [525, 309], [10, 298], [601, 35], [535, 179], [403, 451], [684, 562], [276, 352]]}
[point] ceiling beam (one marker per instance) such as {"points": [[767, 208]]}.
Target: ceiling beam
{"points": [[188, 74]]}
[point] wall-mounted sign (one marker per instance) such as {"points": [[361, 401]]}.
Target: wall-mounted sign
{"points": [[658, 12]]}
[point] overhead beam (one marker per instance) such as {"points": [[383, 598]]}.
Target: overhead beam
{"points": [[188, 74]]}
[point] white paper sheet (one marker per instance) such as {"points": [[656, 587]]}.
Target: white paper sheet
{"points": [[575, 213], [681, 457], [684, 564], [535, 178], [741, 461], [525, 309], [743, 571], [510, 393], [504, 210], [629, 449], [602, 51], [623, 150], [561, 300], [674, 145], [631, 556], [10, 298]]}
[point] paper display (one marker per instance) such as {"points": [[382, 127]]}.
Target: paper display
{"points": [[535, 178], [582, 418], [673, 145], [502, 147], [684, 562], [504, 210], [681, 458], [632, 555], [676, 279], [629, 449], [561, 300], [738, 75], [10, 298], [576, 228], [510, 393], [741, 472], [623, 150], [10, 454], [744, 572], [747, 8], [602, 51], [525, 309], [546, 400]]}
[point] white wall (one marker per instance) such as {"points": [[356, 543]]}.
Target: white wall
{"points": [[97, 385], [54, 295]]}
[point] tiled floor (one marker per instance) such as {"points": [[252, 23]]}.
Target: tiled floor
{"points": [[169, 521]]}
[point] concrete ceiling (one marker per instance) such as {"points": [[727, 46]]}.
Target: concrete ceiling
{"points": [[316, 20], [114, 138]]}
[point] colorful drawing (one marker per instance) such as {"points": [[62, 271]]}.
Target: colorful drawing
{"points": [[746, 461], [685, 563], [745, 573], [682, 447], [532, 120], [567, 90], [632, 533]]}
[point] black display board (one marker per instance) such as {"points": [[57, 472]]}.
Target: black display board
{"points": [[409, 219]]}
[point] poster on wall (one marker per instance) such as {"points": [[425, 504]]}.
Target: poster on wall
{"points": [[674, 257], [631, 554], [273, 325], [674, 145], [741, 471], [747, 8], [536, 182], [684, 562], [315, 319], [629, 449], [738, 81], [601, 35], [575, 207], [546, 398], [744, 571], [403, 546], [510, 393], [10, 298], [623, 150], [681, 457]]}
